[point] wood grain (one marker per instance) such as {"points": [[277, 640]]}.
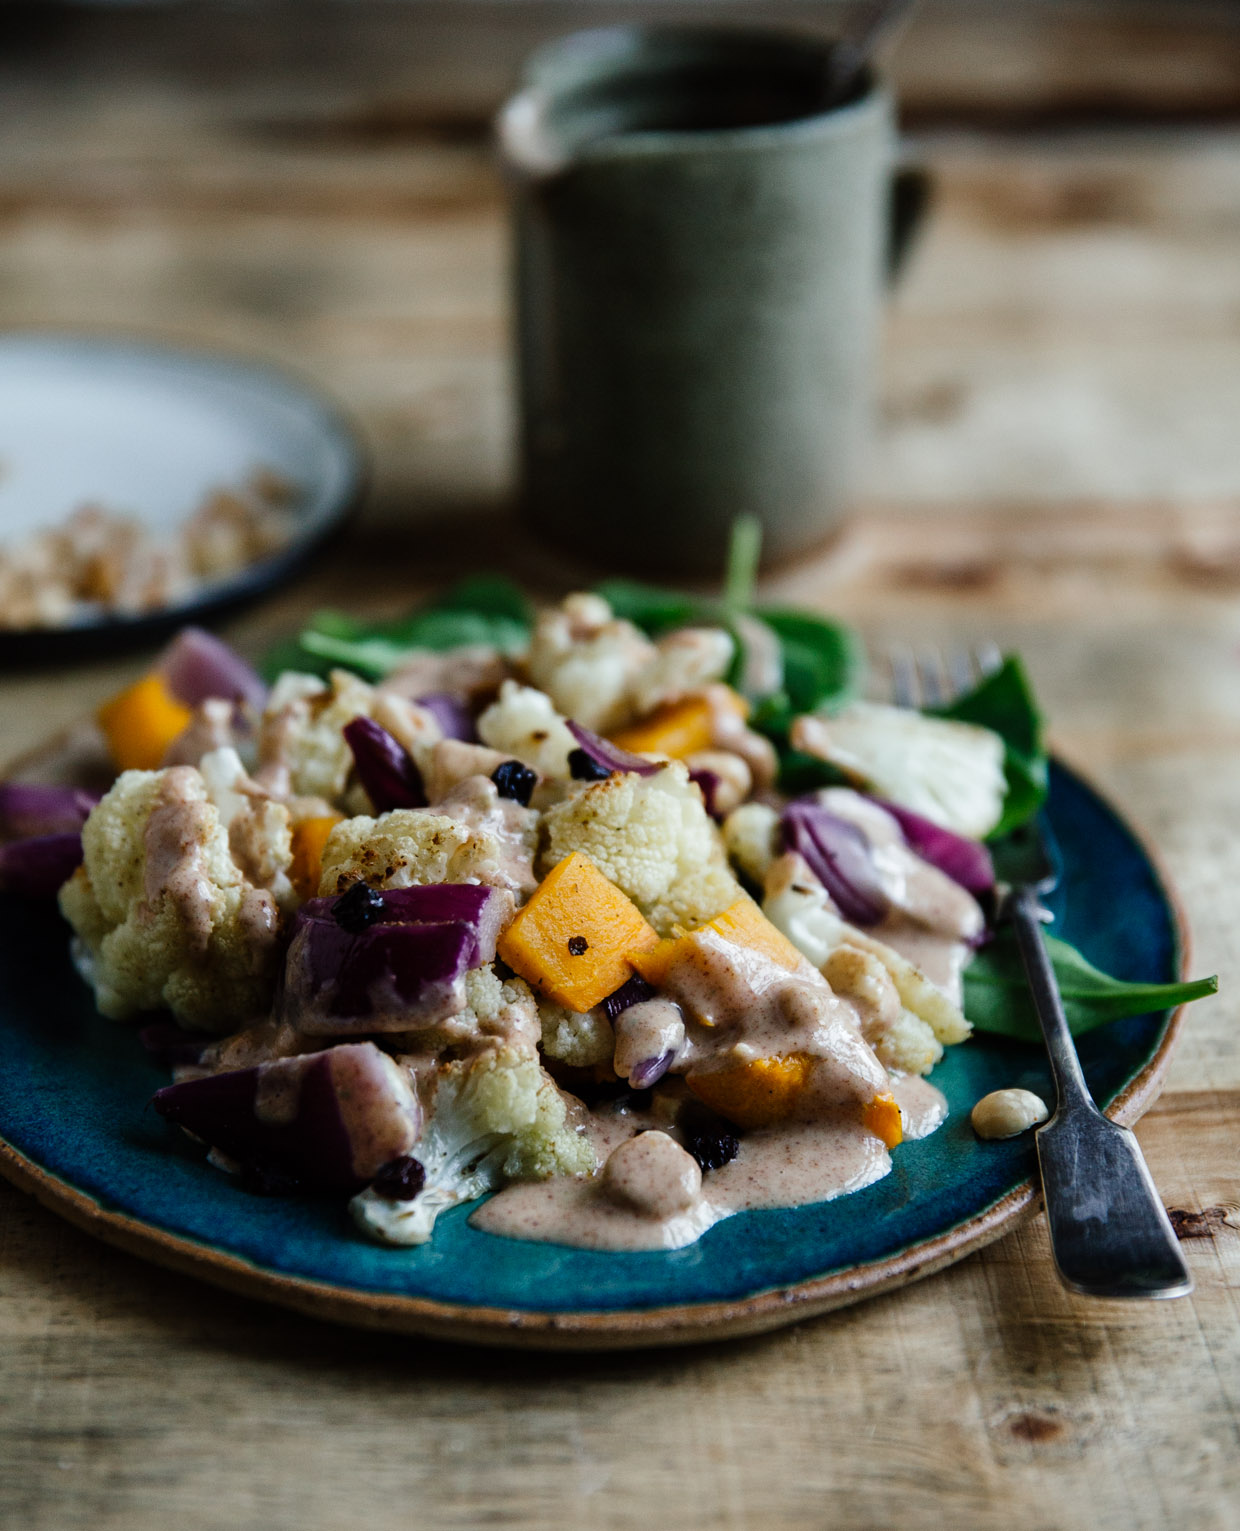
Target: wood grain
{"points": [[1059, 468]]}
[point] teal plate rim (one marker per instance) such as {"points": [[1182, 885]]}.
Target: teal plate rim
{"points": [[73, 1132]]}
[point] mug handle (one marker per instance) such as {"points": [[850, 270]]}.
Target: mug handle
{"points": [[910, 194]]}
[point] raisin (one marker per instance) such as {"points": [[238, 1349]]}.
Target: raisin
{"points": [[578, 945], [713, 1150], [358, 909], [400, 1179], [583, 767], [514, 780]]}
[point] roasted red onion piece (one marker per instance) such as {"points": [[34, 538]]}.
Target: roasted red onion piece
{"points": [[196, 666], [964, 861], [609, 756], [30, 809], [454, 718], [330, 1120], [634, 992], [839, 855], [385, 767], [388, 978], [650, 1071], [486, 910], [709, 783], [37, 868]]}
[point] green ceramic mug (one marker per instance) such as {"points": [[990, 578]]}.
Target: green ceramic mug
{"points": [[700, 252]]}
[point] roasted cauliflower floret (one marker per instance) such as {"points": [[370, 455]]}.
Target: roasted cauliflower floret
{"points": [[411, 846], [950, 772], [301, 746], [494, 1118], [653, 838], [604, 672], [524, 725], [581, 1039], [162, 911], [585, 660], [902, 1040], [683, 662], [797, 904], [501, 1009], [751, 835]]}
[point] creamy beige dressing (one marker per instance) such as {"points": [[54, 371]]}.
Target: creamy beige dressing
{"points": [[942, 958], [932, 920], [651, 1200], [729, 731], [476, 803], [472, 672], [211, 728], [742, 1006], [176, 834]]}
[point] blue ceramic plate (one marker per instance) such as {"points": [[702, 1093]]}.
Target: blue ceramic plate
{"points": [[150, 431], [77, 1133]]}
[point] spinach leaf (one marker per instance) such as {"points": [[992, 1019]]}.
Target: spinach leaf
{"points": [[824, 661], [485, 609], [654, 610], [1004, 702], [996, 993]]}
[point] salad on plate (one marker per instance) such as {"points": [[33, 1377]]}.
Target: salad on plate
{"points": [[631, 910]]}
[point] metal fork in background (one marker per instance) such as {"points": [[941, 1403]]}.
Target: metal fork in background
{"points": [[1110, 1234]]}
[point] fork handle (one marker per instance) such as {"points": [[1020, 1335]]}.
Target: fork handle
{"points": [[1070, 1087], [1110, 1233]]}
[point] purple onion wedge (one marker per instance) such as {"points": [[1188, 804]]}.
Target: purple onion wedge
{"points": [[608, 756], [329, 1120], [650, 1070], [450, 712], [385, 767], [964, 861], [708, 782], [387, 978], [197, 666], [634, 992], [839, 855], [37, 868], [31, 809], [484, 908]]}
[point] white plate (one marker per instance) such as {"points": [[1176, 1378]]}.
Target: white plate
{"points": [[150, 431]]}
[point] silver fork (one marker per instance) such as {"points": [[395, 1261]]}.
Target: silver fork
{"points": [[1110, 1234]]}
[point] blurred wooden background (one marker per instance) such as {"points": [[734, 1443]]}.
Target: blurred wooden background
{"points": [[1059, 467]]}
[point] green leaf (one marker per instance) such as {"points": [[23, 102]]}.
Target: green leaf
{"points": [[1004, 702], [493, 595], [744, 556], [824, 661], [487, 608], [654, 610], [996, 992]]}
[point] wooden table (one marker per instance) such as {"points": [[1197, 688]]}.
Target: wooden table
{"points": [[1059, 469]]}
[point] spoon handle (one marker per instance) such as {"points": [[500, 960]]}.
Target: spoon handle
{"points": [[865, 27], [1110, 1234]]}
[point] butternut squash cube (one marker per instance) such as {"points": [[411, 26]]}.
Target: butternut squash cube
{"points": [[762, 1091], [741, 923], [573, 941], [309, 838], [755, 1093], [882, 1117], [677, 729], [141, 722]]}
